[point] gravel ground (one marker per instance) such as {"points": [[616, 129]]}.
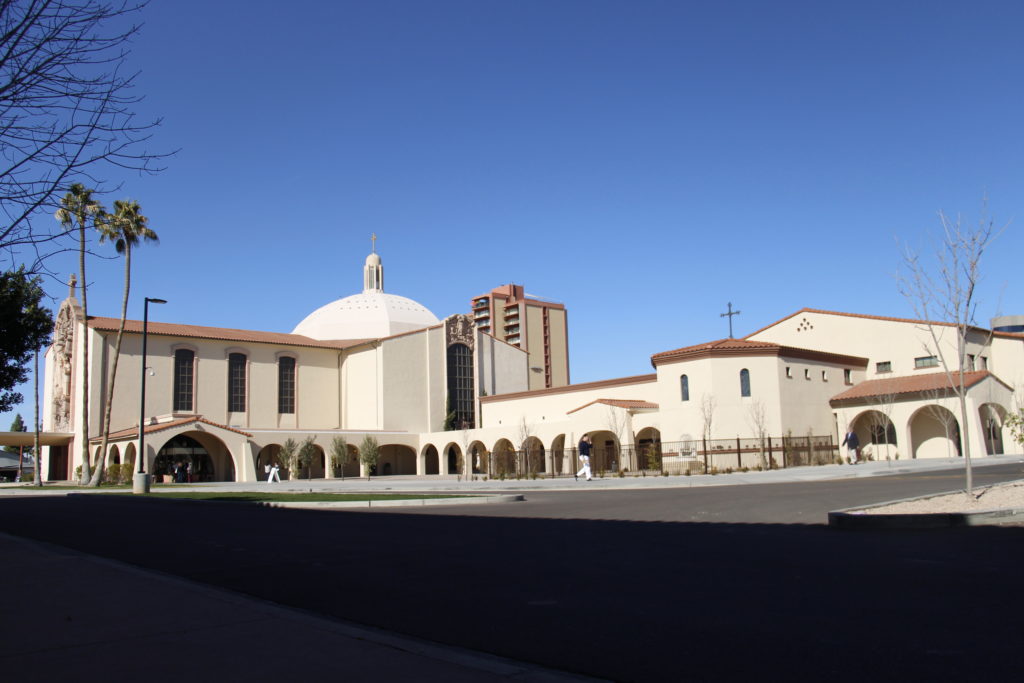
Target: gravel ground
{"points": [[999, 497]]}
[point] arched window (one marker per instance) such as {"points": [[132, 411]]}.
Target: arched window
{"points": [[460, 385], [184, 367], [684, 387], [286, 384], [236, 383], [744, 382]]}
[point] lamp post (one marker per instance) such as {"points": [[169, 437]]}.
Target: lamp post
{"points": [[141, 480]]}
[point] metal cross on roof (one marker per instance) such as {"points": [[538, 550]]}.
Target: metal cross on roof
{"points": [[730, 314]]}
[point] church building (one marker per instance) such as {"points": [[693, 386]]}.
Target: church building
{"points": [[447, 397]]}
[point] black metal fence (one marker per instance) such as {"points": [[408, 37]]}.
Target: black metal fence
{"points": [[702, 456]]}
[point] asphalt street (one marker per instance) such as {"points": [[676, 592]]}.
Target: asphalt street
{"points": [[709, 584]]}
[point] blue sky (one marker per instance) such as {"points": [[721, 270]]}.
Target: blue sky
{"points": [[643, 162]]}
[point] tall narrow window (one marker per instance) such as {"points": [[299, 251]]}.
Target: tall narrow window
{"points": [[184, 366], [460, 385], [744, 382], [236, 383], [286, 384], [684, 387]]}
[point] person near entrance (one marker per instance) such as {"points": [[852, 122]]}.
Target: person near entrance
{"points": [[585, 446], [852, 444], [272, 473]]}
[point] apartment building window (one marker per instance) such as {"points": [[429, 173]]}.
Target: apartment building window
{"points": [[807, 373], [848, 376], [286, 385], [236, 382], [824, 376], [789, 372], [970, 361], [744, 382], [926, 362], [984, 363], [684, 387], [184, 369], [883, 366]]}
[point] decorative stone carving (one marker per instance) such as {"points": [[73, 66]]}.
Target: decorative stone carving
{"points": [[63, 347], [459, 330]]}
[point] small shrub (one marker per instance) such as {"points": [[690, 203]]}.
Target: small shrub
{"points": [[664, 473], [687, 472]]}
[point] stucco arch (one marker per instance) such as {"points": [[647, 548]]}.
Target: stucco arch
{"points": [[605, 455], [129, 456], [876, 433], [478, 455], [266, 456], [559, 462], [934, 432], [453, 461], [396, 459], [503, 459], [647, 454], [431, 460], [534, 455], [217, 465], [114, 455], [993, 419]]}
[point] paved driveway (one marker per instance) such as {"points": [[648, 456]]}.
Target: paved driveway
{"points": [[722, 586]]}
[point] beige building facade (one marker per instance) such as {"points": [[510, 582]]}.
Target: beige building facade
{"points": [[448, 398]]}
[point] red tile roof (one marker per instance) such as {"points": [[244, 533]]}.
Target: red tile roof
{"points": [[910, 384], [744, 347], [221, 333], [583, 386], [628, 404], [133, 432]]}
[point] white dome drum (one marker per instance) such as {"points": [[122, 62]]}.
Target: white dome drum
{"points": [[370, 315]]}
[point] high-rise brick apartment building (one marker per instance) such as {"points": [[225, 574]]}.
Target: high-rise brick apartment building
{"points": [[537, 326]]}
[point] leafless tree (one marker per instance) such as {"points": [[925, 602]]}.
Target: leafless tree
{"points": [[66, 110], [708, 404], [880, 419], [942, 293], [525, 430], [757, 419]]}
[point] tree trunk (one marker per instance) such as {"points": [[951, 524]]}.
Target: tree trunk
{"points": [[85, 356], [101, 463], [35, 425]]}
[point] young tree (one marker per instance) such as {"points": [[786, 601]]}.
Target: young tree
{"points": [[287, 457], [17, 425], [25, 326], [707, 414], [617, 421], [369, 454], [944, 292], [339, 455], [79, 209], [304, 456], [67, 104], [938, 412], [880, 418], [757, 419], [126, 228]]}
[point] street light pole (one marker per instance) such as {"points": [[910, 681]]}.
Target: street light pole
{"points": [[141, 480]]}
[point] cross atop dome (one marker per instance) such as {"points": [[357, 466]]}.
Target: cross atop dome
{"points": [[373, 270]]}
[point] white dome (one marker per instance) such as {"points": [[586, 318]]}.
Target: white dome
{"points": [[370, 315]]}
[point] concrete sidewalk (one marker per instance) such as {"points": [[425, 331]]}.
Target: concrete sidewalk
{"points": [[69, 616], [453, 484]]}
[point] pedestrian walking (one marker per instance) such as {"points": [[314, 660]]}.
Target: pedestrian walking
{"points": [[852, 444], [273, 475], [584, 447]]}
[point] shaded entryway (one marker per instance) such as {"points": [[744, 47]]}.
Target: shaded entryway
{"points": [[934, 433], [605, 452], [533, 453], [431, 463], [503, 459], [209, 457], [647, 454], [876, 434], [478, 456], [993, 418], [396, 459]]}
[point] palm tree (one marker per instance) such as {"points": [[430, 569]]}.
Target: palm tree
{"points": [[126, 228], [78, 207]]}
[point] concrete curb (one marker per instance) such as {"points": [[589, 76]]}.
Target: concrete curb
{"points": [[858, 518], [334, 505]]}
